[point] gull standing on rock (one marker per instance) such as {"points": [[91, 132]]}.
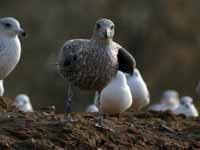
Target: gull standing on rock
{"points": [[187, 107], [22, 102], [139, 90], [169, 101], [10, 47], [91, 64]]}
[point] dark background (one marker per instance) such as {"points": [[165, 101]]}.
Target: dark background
{"points": [[163, 36]]}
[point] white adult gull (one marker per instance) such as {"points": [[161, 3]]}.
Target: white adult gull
{"points": [[139, 90], [10, 47], [187, 107], [116, 97], [169, 101], [22, 102]]}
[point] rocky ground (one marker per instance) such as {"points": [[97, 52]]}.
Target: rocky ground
{"points": [[130, 131]]}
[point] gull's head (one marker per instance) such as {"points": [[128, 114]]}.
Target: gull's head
{"points": [[104, 30], [22, 102], [10, 27], [170, 97], [186, 101], [120, 78], [136, 73]]}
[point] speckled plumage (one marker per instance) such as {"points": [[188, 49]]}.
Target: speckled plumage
{"points": [[91, 64]]}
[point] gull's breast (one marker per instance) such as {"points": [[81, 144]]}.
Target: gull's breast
{"points": [[9, 55]]}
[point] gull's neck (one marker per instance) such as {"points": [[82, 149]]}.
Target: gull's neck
{"points": [[101, 42]]}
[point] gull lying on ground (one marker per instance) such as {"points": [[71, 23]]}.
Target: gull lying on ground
{"points": [[187, 107], [22, 102], [139, 90], [169, 101], [10, 47]]}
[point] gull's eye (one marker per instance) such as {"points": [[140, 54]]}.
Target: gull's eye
{"points": [[7, 25], [98, 26], [112, 27]]}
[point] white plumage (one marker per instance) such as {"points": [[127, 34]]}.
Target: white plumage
{"points": [[10, 47], [169, 101], [23, 103], [92, 108], [139, 90], [1, 88], [116, 96], [187, 107]]}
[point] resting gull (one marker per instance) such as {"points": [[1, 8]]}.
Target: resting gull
{"points": [[169, 101], [187, 107], [10, 47], [139, 90], [22, 102], [91, 64]]}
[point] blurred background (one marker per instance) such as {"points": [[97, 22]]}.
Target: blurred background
{"points": [[163, 36]]}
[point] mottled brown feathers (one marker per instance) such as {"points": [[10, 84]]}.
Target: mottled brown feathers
{"points": [[92, 64]]}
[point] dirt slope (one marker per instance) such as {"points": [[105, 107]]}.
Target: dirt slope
{"points": [[131, 131]]}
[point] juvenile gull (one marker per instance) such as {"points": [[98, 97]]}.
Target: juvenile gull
{"points": [[22, 102], [139, 90], [169, 101], [91, 64], [10, 47], [187, 107]]}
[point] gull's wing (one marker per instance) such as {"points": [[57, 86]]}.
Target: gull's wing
{"points": [[126, 61], [71, 50]]}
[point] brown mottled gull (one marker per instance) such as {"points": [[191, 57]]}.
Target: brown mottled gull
{"points": [[91, 64]]}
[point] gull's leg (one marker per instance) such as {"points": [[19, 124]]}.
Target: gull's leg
{"points": [[99, 123], [100, 114], [68, 103]]}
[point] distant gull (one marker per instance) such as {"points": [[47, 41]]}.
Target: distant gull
{"points": [[22, 102], [169, 101], [10, 47], [92, 64], [139, 90], [92, 108], [187, 107]]}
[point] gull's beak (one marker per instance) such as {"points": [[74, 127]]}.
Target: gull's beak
{"points": [[22, 33], [107, 33]]}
